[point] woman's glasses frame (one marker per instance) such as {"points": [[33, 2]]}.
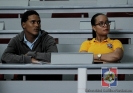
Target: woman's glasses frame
{"points": [[102, 24]]}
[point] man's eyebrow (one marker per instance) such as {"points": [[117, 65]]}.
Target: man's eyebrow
{"points": [[35, 20], [104, 21], [32, 20]]}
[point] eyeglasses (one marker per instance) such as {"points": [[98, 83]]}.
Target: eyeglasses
{"points": [[102, 24]]}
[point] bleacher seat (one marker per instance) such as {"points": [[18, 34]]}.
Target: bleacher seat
{"points": [[1, 77], [119, 14], [69, 15], [13, 3]]}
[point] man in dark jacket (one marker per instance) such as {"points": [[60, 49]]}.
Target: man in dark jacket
{"points": [[32, 44]]}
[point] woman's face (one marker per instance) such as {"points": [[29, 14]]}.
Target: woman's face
{"points": [[102, 25]]}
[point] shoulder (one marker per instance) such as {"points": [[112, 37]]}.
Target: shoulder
{"points": [[45, 35], [17, 38], [117, 44], [116, 41], [46, 38], [89, 41], [14, 39], [85, 43]]}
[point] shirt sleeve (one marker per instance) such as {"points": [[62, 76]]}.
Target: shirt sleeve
{"points": [[117, 44], [84, 46]]}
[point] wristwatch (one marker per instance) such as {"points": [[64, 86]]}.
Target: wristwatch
{"points": [[99, 56]]}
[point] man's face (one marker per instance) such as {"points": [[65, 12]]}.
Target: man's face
{"points": [[32, 25]]}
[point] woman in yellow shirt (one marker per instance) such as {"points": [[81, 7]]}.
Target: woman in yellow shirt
{"points": [[104, 48]]}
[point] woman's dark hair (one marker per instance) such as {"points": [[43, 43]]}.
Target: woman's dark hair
{"points": [[93, 20], [28, 13]]}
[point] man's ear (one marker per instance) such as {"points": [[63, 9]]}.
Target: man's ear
{"points": [[23, 25]]}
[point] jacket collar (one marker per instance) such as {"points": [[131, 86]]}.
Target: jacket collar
{"points": [[21, 35]]}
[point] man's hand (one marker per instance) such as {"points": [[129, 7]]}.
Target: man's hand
{"points": [[33, 60]]}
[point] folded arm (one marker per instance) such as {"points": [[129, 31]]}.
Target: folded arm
{"points": [[10, 55], [50, 47], [111, 57]]}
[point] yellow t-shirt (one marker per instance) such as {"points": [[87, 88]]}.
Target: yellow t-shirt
{"points": [[103, 47]]}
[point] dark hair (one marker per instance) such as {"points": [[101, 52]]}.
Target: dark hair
{"points": [[93, 20], [26, 14]]}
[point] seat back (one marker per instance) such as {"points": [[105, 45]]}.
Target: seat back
{"points": [[128, 53], [68, 47]]}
